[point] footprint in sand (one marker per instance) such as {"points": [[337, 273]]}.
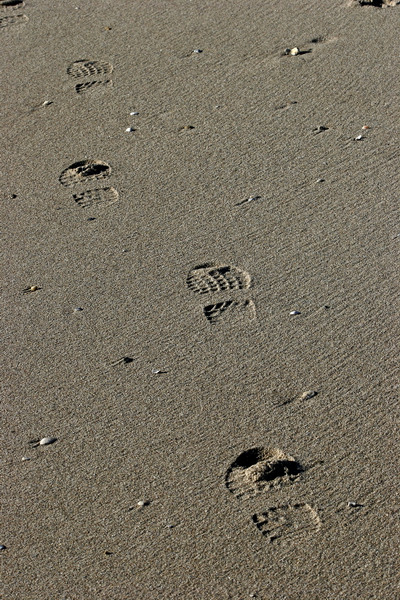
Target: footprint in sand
{"points": [[210, 279], [83, 172], [92, 75], [258, 470], [289, 522], [9, 13], [233, 309]]}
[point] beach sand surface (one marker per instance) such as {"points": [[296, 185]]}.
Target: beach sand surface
{"points": [[261, 445]]}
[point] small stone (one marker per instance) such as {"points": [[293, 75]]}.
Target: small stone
{"points": [[359, 137], [133, 113], [142, 503], [46, 103], [78, 309], [365, 127], [294, 51], [3, 547], [129, 129], [24, 458], [197, 51], [294, 312], [320, 180], [32, 288], [321, 128], [47, 440]]}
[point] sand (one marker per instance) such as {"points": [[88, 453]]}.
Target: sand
{"points": [[262, 445]]}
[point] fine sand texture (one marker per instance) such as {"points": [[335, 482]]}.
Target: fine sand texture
{"points": [[199, 299]]}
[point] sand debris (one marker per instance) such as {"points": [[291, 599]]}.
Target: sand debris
{"points": [[246, 200]]}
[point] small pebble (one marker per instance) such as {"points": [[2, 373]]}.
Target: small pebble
{"points": [[359, 137], [129, 129], [294, 51], [320, 180], [25, 458], [365, 127], [321, 128], [3, 547], [133, 113], [32, 288], [142, 503], [197, 51], [46, 103], [78, 309], [47, 440], [294, 312]]}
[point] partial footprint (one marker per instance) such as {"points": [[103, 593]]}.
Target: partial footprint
{"points": [[92, 85], [89, 68], [260, 469], [210, 278], [378, 3], [12, 4], [235, 309], [100, 197], [287, 521], [13, 20], [84, 170], [97, 70]]}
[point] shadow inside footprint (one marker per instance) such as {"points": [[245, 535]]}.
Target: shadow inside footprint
{"points": [[258, 469]]}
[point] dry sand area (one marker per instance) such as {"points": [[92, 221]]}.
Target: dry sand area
{"points": [[199, 219]]}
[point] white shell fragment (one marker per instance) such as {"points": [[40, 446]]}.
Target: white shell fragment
{"points": [[47, 440], [307, 395], [294, 312]]}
